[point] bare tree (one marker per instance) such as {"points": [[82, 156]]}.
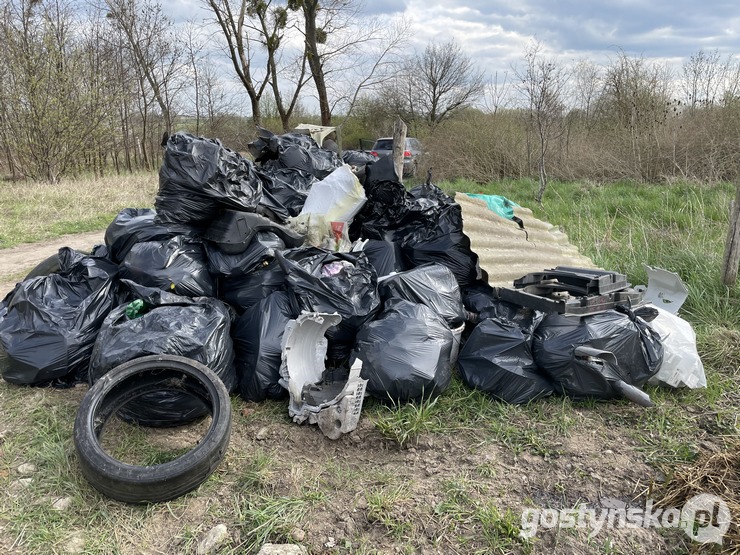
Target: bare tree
{"points": [[435, 84], [703, 79], [153, 49], [52, 105], [543, 83], [347, 52]]}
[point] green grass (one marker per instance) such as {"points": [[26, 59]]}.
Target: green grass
{"points": [[32, 212], [392, 478]]}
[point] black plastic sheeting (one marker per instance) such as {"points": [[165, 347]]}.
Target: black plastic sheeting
{"points": [[177, 265], [636, 346], [405, 353], [199, 176], [137, 225], [198, 329], [497, 359], [433, 285], [351, 292], [385, 256], [258, 336], [51, 322], [293, 151], [244, 291]]}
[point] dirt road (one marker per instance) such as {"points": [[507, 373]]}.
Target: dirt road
{"points": [[17, 261]]}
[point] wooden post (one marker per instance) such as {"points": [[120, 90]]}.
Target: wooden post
{"points": [[731, 259], [399, 146]]}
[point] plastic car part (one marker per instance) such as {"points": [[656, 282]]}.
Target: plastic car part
{"points": [[665, 289], [331, 398], [160, 482], [233, 231]]}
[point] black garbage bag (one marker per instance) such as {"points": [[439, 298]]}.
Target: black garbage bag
{"points": [[405, 353], [258, 337], [432, 285], [177, 265], [323, 281], [199, 176], [565, 349], [51, 322], [137, 225], [385, 256], [497, 359], [293, 151], [261, 250], [357, 157], [285, 190], [244, 291], [388, 205], [436, 235], [160, 323]]}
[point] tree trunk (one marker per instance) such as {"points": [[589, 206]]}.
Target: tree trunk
{"points": [[399, 146], [310, 9], [731, 258]]}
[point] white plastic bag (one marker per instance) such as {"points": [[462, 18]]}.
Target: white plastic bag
{"points": [[681, 366]]}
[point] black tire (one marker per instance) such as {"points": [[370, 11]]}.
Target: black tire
{"points": [[162, 482]]}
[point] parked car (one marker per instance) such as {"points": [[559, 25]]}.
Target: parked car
{"points": [[411, 154]]}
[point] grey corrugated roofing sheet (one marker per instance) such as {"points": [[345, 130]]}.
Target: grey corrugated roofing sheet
{"points": [[505, 252]]}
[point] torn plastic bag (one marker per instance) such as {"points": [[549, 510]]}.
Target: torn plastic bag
{"points": [[260, 251], [635, 346], [385, 256], [233, 231], [497, 359], [199, 176], [323, 281], [137, 225], [51, 322], [433, 285], [244, 291], [177, 265], [405, 353], [682, 366], [258, 336], [165, 324], [329, 397]]}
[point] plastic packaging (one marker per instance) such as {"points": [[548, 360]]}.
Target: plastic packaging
{"points": [[258, 336], [177, 265], [51, 322], [497, 359], [681, 366], [433, 285], [197, 329], [405, 353]]}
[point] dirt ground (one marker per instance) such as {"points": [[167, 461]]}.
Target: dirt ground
{"points": [[15, 262], [599, 462]]}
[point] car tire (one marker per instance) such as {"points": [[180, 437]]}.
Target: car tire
{"points": [[47, 266], [161, 482]]}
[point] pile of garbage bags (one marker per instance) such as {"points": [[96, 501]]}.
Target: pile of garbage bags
{"points": [[237, 249]]}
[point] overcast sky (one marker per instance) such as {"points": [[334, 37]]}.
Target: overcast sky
{"points": [[496, 33]]}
